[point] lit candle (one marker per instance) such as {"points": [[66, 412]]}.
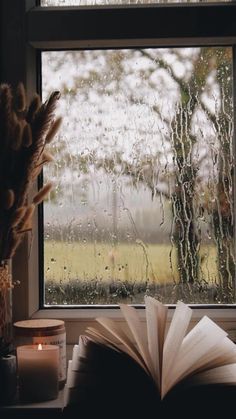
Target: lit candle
{"points": [[38, 367]]}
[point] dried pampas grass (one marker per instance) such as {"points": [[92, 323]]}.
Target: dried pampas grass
{"points": [[24, 134]]}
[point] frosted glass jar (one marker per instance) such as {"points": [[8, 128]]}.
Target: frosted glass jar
{"points": [[46, 332]]}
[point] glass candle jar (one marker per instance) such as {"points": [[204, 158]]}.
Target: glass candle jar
{"points": [[45, 332]]}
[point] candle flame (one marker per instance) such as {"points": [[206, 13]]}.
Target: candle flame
{"points": [[40, 347]]}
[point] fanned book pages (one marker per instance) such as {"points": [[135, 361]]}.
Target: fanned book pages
{"points": [[166, 356]]}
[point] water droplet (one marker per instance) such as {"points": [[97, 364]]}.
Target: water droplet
{"points": [[209, 234]]}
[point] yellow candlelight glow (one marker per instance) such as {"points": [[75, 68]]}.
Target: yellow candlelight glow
{"points": [[40, 347]]}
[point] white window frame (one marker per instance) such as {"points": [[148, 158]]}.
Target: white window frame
{"points": [[27, 29]]}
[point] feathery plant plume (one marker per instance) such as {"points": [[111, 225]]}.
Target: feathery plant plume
{"points": [[53, 130], [20, 99], [6, 114], [8, 199], [25, 132], [33, 108], [27, 136], [42, 194]]}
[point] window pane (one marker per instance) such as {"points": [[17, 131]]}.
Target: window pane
{"points": [[143, 173], [113, 2]]}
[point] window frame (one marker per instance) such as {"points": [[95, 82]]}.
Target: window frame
{"points": [[33, 28]]}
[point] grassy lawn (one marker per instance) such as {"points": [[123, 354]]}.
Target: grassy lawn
{"points": [[66, 262]]}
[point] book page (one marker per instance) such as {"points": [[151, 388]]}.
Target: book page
{"points": [[139, 334], [69, 369], [156, 314], [173, 341], [103, 337], [225, 374], [78, 351], [201, 345], [225, 353], [222, 353], [72, 376], [128, 346], [75, 357]]}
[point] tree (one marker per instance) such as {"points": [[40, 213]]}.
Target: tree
{"points": [[190, 128]]}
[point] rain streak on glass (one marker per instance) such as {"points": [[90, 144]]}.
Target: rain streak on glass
{"points": [[143, 175]]}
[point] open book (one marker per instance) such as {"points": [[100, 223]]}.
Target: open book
{"points": [[167, 355]]}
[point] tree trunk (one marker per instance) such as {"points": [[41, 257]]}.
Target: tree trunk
{"points": [[185, 235]]}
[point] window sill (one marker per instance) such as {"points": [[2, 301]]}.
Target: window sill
{"points": [[77, 320], [46, 410], [219, 313]]}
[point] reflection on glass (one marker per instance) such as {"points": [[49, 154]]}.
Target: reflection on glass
{"points": [[143, 172]]}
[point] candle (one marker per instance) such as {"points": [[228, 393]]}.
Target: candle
{"points": [[47, 332], [38, 367]]}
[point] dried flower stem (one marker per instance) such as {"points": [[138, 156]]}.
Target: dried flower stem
{"points": [[5, 304], [24, 133]]}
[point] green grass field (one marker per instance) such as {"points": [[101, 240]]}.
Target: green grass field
{"points": [[137, 262]]}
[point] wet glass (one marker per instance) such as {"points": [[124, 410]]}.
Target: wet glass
{"points": [[48, 3], [143, 177]]}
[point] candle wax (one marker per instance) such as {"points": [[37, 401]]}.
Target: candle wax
{"points": [[38, 372]]}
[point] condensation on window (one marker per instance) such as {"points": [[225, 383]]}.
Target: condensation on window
{"points": [[143, 177], [48, 3]]}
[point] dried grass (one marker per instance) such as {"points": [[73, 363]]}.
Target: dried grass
{"points": [[24, 133]]}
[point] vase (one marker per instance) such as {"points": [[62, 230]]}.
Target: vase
{"points": [[8, 365], [8, 379], [6, 329]]}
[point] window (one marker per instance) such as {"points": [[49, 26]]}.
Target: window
{"points": [[96, 28], [144, 177]]}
